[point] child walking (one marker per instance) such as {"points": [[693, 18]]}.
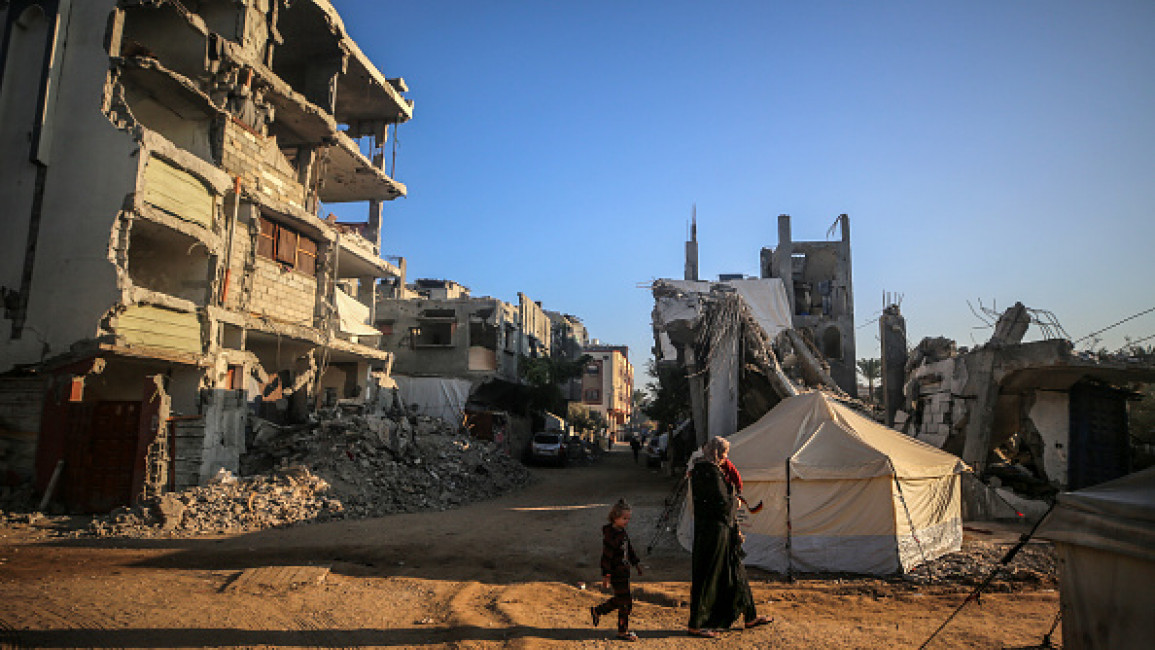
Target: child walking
{"points": [[617, 556]]}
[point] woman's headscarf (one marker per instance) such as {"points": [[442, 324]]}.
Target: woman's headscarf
{"points": [[715, 449]]}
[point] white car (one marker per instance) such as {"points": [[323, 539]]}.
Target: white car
{"points": [[548, 446]]}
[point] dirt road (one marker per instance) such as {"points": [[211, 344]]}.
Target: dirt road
{"points": [[503, 573]]}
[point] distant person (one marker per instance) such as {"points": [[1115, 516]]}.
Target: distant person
{"points": [[635, 446], [719, 591], [617, 556]]}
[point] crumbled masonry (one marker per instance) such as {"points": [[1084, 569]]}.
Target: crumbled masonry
{"points": [[340, 467]]}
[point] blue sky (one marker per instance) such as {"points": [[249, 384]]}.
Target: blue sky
{"points": [[985, 151]]}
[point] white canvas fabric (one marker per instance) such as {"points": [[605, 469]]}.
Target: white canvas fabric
{"points": [[353, 317], [765, 297], [435, 396], [1105, 539], [863, 498]]}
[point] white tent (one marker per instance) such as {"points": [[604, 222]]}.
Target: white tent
{"points": [[1105, 540], [842, 493]]}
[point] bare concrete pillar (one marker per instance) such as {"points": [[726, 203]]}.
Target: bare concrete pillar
{"points": [[697, 398], [892, 332], [784, 258], [374, 234]]}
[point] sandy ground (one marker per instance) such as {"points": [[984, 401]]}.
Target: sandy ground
{"points": [[502, 573]]}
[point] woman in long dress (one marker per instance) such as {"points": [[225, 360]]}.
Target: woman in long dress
{"points": [[719, 591]]}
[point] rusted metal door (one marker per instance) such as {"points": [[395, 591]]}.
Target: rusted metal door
{"points": [[106, 458]]}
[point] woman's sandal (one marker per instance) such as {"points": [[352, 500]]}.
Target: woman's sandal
{"points": [[627, 636], [702, 634], [761, 620]]}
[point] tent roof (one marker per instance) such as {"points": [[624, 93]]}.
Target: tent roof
{"points": [[823, 439], [1117, 516]]}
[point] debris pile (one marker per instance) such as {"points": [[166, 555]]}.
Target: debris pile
{"points": [[340, 466], [1033, 565], [227, 505]]}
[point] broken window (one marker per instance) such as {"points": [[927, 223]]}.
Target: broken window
{"points": [[435, 333], [282, 244], [167, 261], [832, 343], [482, 334]]}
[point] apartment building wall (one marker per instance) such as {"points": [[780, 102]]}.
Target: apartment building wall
{"points": [[608, 384], [162, 170], [466, 337]]}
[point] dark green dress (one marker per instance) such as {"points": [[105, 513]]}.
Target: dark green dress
{"points": [[719, 591]]}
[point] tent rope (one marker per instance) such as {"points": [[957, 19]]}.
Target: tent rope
{"points": [[906, 508], [974, 595]]}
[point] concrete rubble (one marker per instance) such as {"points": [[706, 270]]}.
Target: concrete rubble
{"points": [[341, 466]]}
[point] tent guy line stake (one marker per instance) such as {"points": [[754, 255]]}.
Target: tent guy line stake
{"points": [[974, 595]]}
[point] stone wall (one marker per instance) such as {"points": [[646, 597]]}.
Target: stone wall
{"points": [[263, 169], [283, 295]]}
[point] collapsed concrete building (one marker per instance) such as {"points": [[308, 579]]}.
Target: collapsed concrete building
{"points": [[457, 355], [165, 168], [816, 276], [1034, 416], [744, 343], [569, 339]]}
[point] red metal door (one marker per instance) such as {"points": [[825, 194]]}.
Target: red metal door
{"points": [[111, 455]]}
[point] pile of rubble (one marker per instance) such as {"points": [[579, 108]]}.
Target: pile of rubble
{"points": [[227, 505], [340, 466], [1034, 565]]}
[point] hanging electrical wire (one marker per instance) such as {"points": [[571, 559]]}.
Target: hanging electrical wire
{"points": [[1129, 318]]}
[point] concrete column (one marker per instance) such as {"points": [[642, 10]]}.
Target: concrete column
{"points": [[374, 234], [980, 366], [697, 398], [784, 258], [892, 332]]}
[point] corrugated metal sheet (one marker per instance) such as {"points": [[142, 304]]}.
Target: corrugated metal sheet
{"points": [[177, 192], [157, 327]]}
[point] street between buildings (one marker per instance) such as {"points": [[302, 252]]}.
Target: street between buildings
{"points": [[519, 571]]}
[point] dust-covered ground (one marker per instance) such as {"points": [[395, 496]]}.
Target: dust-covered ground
{"points": [[509, 572]]}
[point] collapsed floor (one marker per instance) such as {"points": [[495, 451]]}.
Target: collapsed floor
{"points": [[341, 466]]}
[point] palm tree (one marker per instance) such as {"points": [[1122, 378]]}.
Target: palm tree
{"points": [[871, 369]]}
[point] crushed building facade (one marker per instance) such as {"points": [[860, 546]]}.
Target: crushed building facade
{"points": [[169, 266], [569, 339], [1034, 416], [817, 278], [457, 356], [740, 341]]}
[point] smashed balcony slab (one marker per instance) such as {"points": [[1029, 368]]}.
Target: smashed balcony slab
{"points": [[350, 176]]}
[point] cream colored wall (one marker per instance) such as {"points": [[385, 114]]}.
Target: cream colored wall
{"points": [[92, 168]]}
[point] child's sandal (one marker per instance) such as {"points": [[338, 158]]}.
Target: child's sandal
{"points": [[627, 636]]}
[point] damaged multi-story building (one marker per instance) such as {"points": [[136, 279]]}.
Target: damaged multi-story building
{"points": [[817, 278], [569, 339], [1036, 416], [741, 342], [168, 265], [457, 355]]}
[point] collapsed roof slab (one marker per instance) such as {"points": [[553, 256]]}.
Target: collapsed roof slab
{"points": [[176, 92]]}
